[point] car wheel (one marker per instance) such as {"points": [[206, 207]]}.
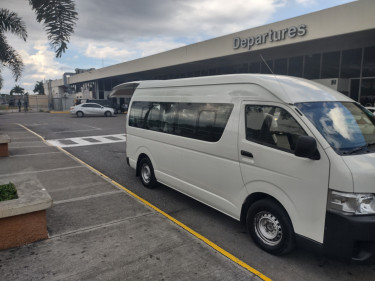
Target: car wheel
{"points": [[79, 114], [270, 227], [107, 114], [147, 173]]}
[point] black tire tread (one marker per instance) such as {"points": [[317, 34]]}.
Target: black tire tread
{"points": [[288, 242]]}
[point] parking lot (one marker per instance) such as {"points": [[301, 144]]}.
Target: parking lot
{"points": [[100, 142]]}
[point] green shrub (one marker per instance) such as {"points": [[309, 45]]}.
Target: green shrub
{"points": [[8, 192]]}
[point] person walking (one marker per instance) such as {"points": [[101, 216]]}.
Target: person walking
{"points": [[19, 105]]}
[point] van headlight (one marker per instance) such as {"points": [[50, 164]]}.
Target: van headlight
{"points": [[351, 203]]}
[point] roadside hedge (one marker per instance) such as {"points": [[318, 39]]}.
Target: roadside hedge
{"points": [[8, 192]]}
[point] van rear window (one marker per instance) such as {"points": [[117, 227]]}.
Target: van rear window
{"points": [[202, 121]]}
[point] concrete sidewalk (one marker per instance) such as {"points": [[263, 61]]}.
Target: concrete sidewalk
{"points": [[96, 230]]}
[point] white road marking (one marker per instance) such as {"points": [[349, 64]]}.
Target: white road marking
{"points": [[88, 140], [42, 171], [86, 130], [32, 154]]}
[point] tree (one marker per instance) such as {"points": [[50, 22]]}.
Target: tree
{"points": [[39, 88], [58, 18], [17, 90]]}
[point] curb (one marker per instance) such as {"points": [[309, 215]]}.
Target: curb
{"points": [[59, 112]]}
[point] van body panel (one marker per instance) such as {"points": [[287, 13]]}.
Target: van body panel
{"points": [[284, 88], [195, 173], [287, 178], [196, 165], [363, 170], [341, 178], [225, 93]]}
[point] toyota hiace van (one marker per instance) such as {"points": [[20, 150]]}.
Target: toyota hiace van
{"points": [[292, 159]]}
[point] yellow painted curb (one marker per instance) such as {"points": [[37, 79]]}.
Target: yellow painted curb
{"points": [[191, 231], [59, 112]]}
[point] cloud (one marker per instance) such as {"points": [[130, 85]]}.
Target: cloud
{"points": [[98, 50], [306, 2], [123, 21], [39, 63]]}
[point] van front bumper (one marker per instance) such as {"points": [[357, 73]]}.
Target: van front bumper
{"points": [[350, 237]]}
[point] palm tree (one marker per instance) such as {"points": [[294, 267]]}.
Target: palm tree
{"points": [[58, 18], [17, 90], [39, 88], [9, 21]]}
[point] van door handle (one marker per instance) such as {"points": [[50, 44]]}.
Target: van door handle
{"points": [[247, 154]]}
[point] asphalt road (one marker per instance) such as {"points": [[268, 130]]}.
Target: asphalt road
{"points": [[224, 231]]}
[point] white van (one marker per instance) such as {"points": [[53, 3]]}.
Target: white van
{"points": [[292, 159]]}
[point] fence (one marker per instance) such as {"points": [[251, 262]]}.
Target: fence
{"points": [[61, 104], [38, 103]]}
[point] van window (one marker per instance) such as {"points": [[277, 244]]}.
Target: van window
{"points": [[272, 126], [203, 121]]}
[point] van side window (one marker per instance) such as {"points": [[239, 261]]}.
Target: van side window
{"points": [[139, 111], [168, 116], [201, 121], [272, 126]]}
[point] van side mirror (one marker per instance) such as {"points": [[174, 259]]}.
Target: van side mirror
{"points": [[306, 147]]}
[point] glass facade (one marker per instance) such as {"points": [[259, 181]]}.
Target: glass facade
{"points": [[330, 65], [295, 66], [312, 66], [351, 63], [355, 66], [369, 62], [355, 69]]}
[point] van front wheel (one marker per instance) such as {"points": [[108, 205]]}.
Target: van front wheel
{"points": [[270, 227], [147, 173]]}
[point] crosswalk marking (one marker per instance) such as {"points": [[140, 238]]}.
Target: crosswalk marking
{"points": [[89, 140]]}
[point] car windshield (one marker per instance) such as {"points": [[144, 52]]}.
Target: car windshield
{"points": [[347, 127]]}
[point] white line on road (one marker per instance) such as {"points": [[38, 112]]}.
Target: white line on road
{"points": [[42, 171], [86, 130], [88, 140], [33, 154]]}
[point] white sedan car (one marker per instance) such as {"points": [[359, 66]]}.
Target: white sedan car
{"points": [[91, 109]]}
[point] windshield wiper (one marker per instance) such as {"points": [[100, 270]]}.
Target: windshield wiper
{"points": [[359, 148]]}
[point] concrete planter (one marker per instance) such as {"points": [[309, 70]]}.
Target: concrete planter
{"points": [[23, 220], [4, 140]]}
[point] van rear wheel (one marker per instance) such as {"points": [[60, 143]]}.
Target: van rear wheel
{"points": [[147, 173], [270, 227]]}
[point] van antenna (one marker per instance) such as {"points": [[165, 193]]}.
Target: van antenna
{"points": [[269, 68], [277, 78]]}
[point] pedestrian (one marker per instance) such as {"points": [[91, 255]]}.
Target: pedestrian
{"points": [[123, 108], [25, 104], [19, 105]]}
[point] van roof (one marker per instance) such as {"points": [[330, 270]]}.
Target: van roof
{"points": [[284, 88]]}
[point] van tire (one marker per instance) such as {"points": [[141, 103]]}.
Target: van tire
{"points": [[270, 227], [146, 171]]}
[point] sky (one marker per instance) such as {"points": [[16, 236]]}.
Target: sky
{"points": [[114, 31]]}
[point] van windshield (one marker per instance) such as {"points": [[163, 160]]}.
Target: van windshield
{"points": [[347, 127]]}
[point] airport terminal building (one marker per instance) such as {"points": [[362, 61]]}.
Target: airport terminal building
{"points": [[335, 47]]}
